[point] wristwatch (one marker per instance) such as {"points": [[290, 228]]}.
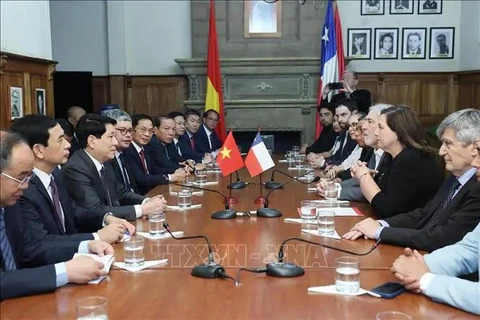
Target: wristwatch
{"points": [[104, 221]]}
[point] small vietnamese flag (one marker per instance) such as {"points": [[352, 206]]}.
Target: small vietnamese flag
{"points": [[229, 158]]}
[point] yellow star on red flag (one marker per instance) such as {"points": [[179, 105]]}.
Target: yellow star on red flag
{"points": [[225, 152]]}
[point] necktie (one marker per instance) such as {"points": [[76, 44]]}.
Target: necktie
{"points": [[142, 159], [56, 203], [178, 149], [192, 142], [126, 178], [449, 196], [166, 152], [105, 187], [5, 245], [371, 163], [210, 140]]}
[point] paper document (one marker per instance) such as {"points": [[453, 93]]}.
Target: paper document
{"points": [[107, 261]]}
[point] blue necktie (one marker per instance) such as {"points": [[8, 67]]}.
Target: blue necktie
{"points": [[454, 185], [5, 245]]}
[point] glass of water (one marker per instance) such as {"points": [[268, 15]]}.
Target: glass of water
{"points": [[325, 221], [300, 161], [201, 175], [185, 198], [289, 156], [308, 211], [296, 149], [92, 308], [155, 224], [331, 192], [133, 251], [347, 274]]}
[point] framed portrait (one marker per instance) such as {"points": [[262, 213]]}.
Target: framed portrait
{"points": [[359, 43], [401, 6], [442, 42], [414, 44], [16, 102], [386, 43], [430, 6], [372, 7], [40, 101], [262, 19]]}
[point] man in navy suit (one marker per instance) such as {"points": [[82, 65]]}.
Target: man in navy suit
{"points": [[187, 140], [206, 139], [29, 265], [47, 208]]}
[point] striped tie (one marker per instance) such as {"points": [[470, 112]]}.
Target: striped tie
{"points": [[5, 248]]}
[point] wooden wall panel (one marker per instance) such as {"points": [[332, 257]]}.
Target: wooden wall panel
{"points": [[469, 89], [100, 92]]}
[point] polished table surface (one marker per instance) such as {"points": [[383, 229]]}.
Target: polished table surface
{"points": [[170, 292]]}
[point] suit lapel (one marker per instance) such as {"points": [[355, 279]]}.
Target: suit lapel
{"points": [[41, 188], [97, 182], [64, 197]]}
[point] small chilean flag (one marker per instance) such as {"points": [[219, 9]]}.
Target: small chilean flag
{"points": [[258, 159]]}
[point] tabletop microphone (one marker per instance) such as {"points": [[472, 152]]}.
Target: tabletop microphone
{"points": [[267, 212], [207, 270], [226, 213], [286, 269], [277, 185], [237, 184]]}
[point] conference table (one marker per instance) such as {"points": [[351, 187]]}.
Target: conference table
{"points": [[170, 292]]}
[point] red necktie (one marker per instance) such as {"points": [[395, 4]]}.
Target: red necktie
{"points": [[192, 142], [142, 159]]}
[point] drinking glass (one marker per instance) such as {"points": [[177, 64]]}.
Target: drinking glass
{"points": [[296, 149], [92, 308], [325, 221], [392, 315], [201, 175], [289, 156], [155, 224], [347, 274], [133, 252], [331, 192], [308, 211], [185, 198], [300, 161]]}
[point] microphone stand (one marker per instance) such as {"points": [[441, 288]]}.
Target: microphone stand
{"points": [[277, 185], [286, 269], [230, 199], [260, 199], [237, 184]]}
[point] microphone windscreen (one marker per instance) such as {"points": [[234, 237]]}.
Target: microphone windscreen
{"points": [[316, 179]]}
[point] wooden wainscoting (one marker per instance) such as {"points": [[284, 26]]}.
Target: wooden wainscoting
{"points": [[29, 74], [469, 89], [152, 95]]}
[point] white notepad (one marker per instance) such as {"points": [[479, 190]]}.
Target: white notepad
{"points": [[107, 261]]}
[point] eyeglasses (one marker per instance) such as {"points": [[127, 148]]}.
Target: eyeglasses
{"points": [[20, 182], [124, 131], [145, 130]]}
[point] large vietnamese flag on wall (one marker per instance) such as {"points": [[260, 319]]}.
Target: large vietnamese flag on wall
{"points": [[214, 97]]}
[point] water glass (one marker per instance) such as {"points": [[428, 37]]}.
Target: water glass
{"points": [[296, 149], [133, 252], [325, 222], [331, 192], [92, 308], [300, 161], [392, 315], [347, 274], [155, 224], [289, 156], [201, 175], [308, 211], [185, 198]]}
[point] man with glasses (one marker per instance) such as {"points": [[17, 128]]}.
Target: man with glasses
{"points": [[29, 265], [89, 176], [206, 139]]}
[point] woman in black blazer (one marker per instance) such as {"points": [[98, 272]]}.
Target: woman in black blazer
{"points": [[411, 178]]}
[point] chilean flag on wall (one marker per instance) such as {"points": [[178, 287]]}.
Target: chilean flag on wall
{"points": [[258, 159], [332, 56]]}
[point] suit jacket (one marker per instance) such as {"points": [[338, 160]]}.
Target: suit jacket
{"points": [[365, 156], [145, 182], [34, 259], [74, 146], [344, 151], [324, 142], [159, 152], [362, 97], [407, 182], [448, 263], [460, 217], [187, 150], [119, 176], [85, 187], [201, 141]]}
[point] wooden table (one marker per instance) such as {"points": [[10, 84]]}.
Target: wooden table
{"points": [[170, 292]]}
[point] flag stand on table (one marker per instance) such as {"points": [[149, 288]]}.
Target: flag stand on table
{"points": [[229, 160], [257, 161]]}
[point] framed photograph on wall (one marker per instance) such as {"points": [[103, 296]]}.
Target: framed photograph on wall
{"points": [[372, 7], [430, 6], [442, 42], [386, 43], [16, 102], [359, 43], [401, 6], [414, 43], [40, 101], [262, 19]]}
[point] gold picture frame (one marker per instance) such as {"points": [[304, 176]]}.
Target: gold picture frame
{"points": [[262, 19]]}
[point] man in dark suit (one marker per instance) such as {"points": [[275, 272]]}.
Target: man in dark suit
{"points": [[187, 140], [453, 212], [28, 265], [327, 138], [206, 139], [47, 209], [90, 179], [362, 97], [74, 113]]}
